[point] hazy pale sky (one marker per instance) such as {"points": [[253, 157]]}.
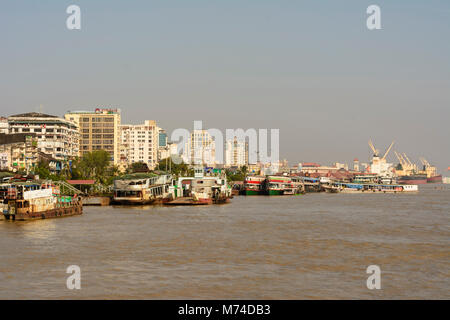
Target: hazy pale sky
{"points": [[310, 68]]}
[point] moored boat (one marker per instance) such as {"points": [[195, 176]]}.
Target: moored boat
{"points": [[143, 188], [435, 179], [36, 200], [279, 185], [201, 190], [413, 179], [340, 187], [254, 185]]}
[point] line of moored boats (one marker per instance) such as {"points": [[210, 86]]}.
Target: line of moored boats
{"points": [[289, 185], [34, 199]]}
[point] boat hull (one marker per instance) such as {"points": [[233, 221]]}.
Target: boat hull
{"points": [[276, 192], [435, 179], [254, 192], [73, 210], [133, 201], [189, 201], [412, 180]]}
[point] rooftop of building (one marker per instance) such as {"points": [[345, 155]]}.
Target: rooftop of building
{"points": [[96, 111], [32, 115], [310, 164]]}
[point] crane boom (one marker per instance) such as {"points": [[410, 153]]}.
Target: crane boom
{"points": [[407, 159], [400, 159], [375, 151], [387, 151]]}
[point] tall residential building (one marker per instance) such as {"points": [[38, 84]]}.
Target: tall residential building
{"points": [[200, 149], [56, 137], [139, 143], [163, 145], [162, 136], [236, 153], [99, 130]]}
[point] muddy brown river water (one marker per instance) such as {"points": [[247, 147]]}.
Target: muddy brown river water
{"points": [[293, 247]]}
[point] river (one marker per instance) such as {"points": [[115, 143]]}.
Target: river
{"points": [[315, 246]]}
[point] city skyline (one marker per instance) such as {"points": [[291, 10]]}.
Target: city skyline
{"points": [[312, 70]]}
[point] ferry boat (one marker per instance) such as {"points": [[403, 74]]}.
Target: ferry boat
{"points": [[143, 188], [254, 185], [298, 186], [32, 200], [201, 190], [340, 187], [279, 185]]}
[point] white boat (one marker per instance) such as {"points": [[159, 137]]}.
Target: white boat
{"points": [[338, 187], [143, 189]]}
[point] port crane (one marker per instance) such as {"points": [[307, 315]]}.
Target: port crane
{"points": [[425, 163], [428, 169], [379, 165], [376, 152], [401, 159], [408, 167]]}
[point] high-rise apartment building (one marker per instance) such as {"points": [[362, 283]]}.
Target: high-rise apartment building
{"points": [[56, 137], [99, 130], [139, 143], [200, 149], [236, 153]]}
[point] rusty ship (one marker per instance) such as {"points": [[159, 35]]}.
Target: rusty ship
{"points": [[31, 200]]}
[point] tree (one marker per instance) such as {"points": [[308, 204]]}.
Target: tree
{"points": [[181, 169], [237, 175], [42, 169], [139, 167], [95, 165]]}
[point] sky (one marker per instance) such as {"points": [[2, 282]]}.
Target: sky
{"points": [[309, 68]]}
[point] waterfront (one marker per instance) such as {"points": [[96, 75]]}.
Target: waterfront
{"points": [[293, 247]]}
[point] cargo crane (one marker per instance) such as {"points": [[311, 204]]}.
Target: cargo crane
{"points": [[408, 168], [430, 171], [379, 165]]}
